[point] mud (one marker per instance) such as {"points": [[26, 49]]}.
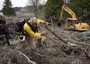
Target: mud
{"points": [[56, 52]]}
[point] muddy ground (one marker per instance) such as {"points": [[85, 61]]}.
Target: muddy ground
{"points": [[56, 52]]}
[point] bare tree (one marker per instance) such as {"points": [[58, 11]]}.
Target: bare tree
{"points": [[35, 4]]}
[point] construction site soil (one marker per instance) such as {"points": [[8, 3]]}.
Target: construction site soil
{"points": [[55, 52]]}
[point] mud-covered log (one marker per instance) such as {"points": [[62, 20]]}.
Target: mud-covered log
{"points": [[56, 35]]}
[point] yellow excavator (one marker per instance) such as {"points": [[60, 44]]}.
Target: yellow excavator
{"points": [[71, 23]]}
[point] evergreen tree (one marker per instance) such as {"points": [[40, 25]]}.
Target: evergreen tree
{"points": [[7, 8], [80, 6], [53, 8]]}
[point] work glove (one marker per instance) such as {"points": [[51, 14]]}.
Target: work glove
{"points": [[43, 39], [47, 23], [43, 33]]}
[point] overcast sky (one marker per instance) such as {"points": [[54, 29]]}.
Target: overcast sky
{"points": [[16, 3]]}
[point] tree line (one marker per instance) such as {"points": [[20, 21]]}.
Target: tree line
{"points": [[80, 7]]}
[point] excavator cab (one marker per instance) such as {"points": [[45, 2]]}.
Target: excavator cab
{"points": [[72, 23]]}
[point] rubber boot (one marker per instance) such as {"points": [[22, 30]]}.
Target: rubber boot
{"points": [[7, 40]]}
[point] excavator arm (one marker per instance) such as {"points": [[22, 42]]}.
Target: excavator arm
{"points": [[69, 11]]}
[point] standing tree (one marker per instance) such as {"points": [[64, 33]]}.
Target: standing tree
{"points": [[7, 8], [36, 5], [52, 8], [80, 7]]}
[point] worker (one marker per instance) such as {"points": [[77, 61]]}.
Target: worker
{"points": [[31, 32], [4, 29]]}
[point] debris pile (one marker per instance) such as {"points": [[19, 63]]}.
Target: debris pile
{"points": [[81, 36], [10, 56], [56, 52]]}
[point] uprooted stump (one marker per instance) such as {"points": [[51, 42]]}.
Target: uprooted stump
{"points": [[10, 56]]}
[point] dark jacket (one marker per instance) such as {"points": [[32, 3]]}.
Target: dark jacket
{"points": [[2, 21], [3, 27]]}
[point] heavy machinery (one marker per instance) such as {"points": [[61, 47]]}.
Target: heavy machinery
{"points": [[71, 23]]}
